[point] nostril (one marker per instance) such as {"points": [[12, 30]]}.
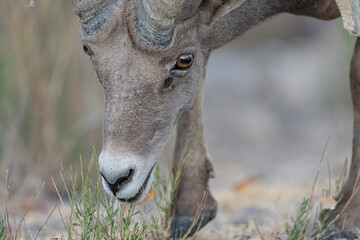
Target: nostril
{"points": [[123, 179], [131, 173], [114, 187]]}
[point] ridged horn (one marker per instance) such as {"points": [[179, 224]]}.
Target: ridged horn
{"points": [[350, 12], [157, 18], [92, 13]]}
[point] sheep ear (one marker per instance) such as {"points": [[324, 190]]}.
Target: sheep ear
{"points": [[223, 7], [350, 13]]}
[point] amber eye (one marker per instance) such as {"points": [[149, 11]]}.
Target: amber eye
{"points": [[87, 50], [185, 61]]}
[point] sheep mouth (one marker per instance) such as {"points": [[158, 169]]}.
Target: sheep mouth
{"points": [[140, 193]]}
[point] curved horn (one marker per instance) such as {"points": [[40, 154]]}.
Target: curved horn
{"points": [[157, 18], [92, 13]]}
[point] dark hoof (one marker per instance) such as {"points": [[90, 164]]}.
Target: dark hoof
{"points": [[336, 234], [180, 225]]}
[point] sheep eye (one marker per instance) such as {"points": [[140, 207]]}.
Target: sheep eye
{"points": [[87, 50], [185, 61]]}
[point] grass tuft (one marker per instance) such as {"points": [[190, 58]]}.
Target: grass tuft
{"points": [[165, 186], [93, 214], [323, 222], [96, 215], [299, 224]]}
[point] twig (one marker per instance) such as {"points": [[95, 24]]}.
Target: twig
{"points": [[6, 203], [199, 212], [258, 230], [329, 175], [28, 210], [57, 192], [317, 176], [46, 221], [197, 216], [318, 172], [343, 173], [28, 229], [314, 183]]}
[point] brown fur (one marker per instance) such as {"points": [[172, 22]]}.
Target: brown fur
{"points": [[350, 199]]}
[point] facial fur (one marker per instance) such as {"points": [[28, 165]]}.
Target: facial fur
{"points": [[139, 113]]}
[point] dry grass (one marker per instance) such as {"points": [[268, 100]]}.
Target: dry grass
{"points": [[10, 229], [96, 215], [323, 222], [50, 100]]}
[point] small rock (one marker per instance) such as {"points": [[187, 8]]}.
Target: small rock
{"points": [[242, 237], [246, 215]]}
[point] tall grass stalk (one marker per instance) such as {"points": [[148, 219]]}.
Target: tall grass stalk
{"points": [[48, 114], [165, 187]]}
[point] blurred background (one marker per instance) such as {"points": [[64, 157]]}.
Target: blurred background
{"points": [[272, 100]]}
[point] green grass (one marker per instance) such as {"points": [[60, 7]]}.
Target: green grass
{"points": [[87, 212], [2, 229], [298, 226], [96, 215], [304, 224], [322, 223]]}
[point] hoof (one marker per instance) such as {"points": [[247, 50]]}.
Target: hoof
{"points": [[337, 234], [180, 225]]}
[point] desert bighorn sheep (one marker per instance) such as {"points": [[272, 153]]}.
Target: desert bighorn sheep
{"points": [[150, 57]]}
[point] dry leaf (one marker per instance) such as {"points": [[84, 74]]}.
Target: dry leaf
{"points": [[328, 203], [61, 238], [149, 196], [242, 185]]}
